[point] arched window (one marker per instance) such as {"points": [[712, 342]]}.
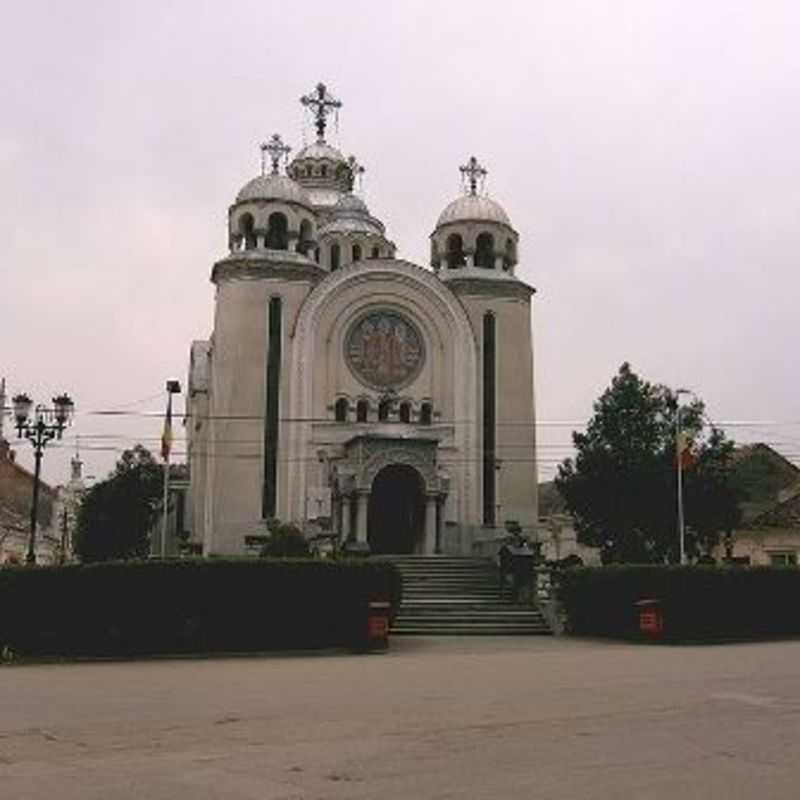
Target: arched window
{"points": [[426, 414], [405, 412], [336, 256], [246, 224], [323, 170], [309, 171], [356, 252], [341, 409], [484, 251], [376, 252], [316, 254], [362, 409], [455, 251], [277, 232], [304, 245], [383, 410], [510, 257]]}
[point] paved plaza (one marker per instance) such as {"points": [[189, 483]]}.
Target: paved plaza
{"points": [[435, 718]]}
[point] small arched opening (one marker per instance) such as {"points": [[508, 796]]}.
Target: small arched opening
{"points": [[484, 251], [305, 242], [426, 414], [340, 409], [277, 232], [384, 407], [455, 251], [323, 170], [405, 412], [336, 256], [376, 252], [510, 255], [246, 225], [362, 411], [356, 252]]}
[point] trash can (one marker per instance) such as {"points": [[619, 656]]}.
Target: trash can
{"points": [[374, 637], [651, 618]]}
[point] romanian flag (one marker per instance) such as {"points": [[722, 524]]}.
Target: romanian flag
{"points": [[166, 435], [684, 454]]}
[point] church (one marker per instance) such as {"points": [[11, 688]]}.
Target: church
{"points": [[346, 389]]}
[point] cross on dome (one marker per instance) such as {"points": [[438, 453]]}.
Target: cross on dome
{"points": [[473, 172], [321, 104], [276, 148]]}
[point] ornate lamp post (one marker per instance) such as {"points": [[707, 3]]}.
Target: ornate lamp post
{"points": [[47, 424]]}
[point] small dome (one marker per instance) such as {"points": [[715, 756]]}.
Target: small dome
{"points": [[319, 150], [473, 207], [274, 187], [349, 203], [350, 215]]}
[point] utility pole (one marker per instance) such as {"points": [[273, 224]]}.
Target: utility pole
{"points": [[679, 472], [173, 387]]}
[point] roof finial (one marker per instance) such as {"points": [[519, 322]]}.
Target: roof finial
{"points": [[354, 172], [321, 104], [473, 172], [276, 148]]}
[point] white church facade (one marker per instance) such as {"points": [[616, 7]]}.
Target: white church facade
{"points": [[392, 403]]}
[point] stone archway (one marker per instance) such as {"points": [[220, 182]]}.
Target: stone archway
{"points": [[396, 511]]}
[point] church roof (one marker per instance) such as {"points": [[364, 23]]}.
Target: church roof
{"points": [[274, 187], [319, 150], [474, 207], [351, 215]]}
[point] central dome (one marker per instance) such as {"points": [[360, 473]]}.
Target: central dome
{"points": [[319, 150], [472, 207], [274, 187]]}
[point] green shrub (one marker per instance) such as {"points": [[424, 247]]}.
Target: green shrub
{"points": [[702, 603], [285, 541], [140, 607]]}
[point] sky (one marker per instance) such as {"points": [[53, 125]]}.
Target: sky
{"points": [[647, 153]]}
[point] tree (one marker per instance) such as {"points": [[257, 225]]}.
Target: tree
{"points": [[117, 514], [621, 486]]}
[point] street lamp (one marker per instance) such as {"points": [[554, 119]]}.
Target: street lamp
{"points": [[47, 424]]}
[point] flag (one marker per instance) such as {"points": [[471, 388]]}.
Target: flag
{"points": [[684, 453], [166, 435]]}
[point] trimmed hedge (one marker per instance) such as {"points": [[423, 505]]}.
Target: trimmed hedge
{"points": [[189, 606], [699, 603]]}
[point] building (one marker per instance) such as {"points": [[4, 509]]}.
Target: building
{"points": [[388, 402]]}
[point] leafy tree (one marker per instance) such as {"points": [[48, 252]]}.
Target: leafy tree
{"points": [[117, 514], [621, 486], [285, 541]]}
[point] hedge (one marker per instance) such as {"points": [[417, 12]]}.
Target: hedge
{"points": [[699, 603], [189, 606]]}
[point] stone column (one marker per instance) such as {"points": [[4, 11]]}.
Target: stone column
{"points": [[429, 547], [362, 499], [345, 517], [498, 262]]}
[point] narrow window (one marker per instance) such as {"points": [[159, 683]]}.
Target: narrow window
{"points": [[323, 170], [489, 420], [246, 224], [336, 256], [426, 414], [405, 412], [383, 410], [356, 252], [269, 494], [361, 411], [341, 409], [316, 254], [376, 252], [304, 245]]}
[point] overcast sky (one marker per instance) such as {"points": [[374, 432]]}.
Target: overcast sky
{"points": [[647, 153]]}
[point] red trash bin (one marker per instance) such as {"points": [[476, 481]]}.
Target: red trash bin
{"points": [[651, 618], [378, 625]]}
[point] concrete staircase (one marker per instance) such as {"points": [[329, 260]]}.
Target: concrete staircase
{"points": [[446, 595]]}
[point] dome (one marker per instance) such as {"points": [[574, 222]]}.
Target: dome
{"points": [[349, 203], [319, 150], [473, 207], [274, 187]]}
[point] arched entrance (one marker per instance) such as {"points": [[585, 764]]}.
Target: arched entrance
{"points": [[396, 512]]}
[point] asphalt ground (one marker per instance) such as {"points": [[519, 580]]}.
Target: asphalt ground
{"points": [[534, 717]]}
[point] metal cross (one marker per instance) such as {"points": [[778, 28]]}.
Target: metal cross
{"points": [[473, 171], [276, 148], [321, 104], [355, 170]]}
